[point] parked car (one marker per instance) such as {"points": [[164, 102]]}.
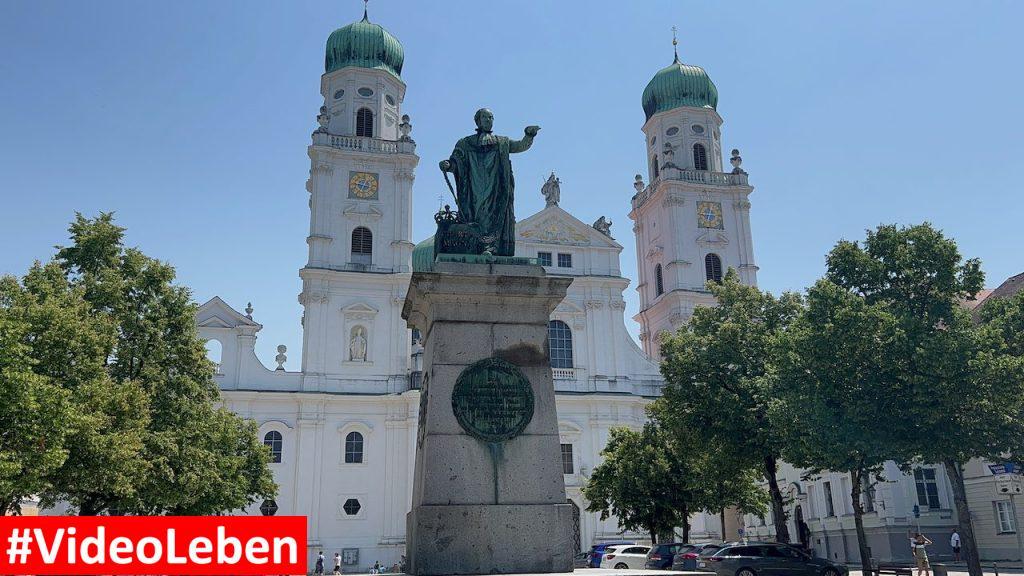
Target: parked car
{"points": [[686, 558], [597, 551], [660, 556], [767, 559], [581, 560], [625, 556]]}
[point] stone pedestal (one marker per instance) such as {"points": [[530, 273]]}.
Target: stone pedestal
{"points": [[481, 506]]}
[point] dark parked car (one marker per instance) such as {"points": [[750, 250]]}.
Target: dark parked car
{"points": [[686, 558], [660, 556], [597, 551], [767, 559]]}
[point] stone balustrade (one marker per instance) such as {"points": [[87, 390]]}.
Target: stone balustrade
{"points": [[563, 373], [694, 176], [361, 144]]}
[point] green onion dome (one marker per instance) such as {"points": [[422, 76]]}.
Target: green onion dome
{"points": [[366, 45], [423, 256], [679, 85]]}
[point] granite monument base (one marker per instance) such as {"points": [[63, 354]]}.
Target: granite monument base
{"points": [[488, 491]]}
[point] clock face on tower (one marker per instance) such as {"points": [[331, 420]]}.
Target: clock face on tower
{"points": [[363, 185], [709, 215]]}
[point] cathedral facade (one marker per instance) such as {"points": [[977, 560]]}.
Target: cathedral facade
{"points": [[342, 430]]}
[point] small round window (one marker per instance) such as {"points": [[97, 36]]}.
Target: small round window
{"points": [[390, 100], [338, 94], [697, 129], [365, 92], [672, 131]]}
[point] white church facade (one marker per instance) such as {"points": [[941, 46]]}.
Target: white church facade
{"points": [[342, 429]]}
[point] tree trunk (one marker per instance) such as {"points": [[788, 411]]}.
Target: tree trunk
{"points": [[89, 507], [778, 505], [721, 518], [856, 477], [968, 544], [686, 524], [654, 536]]}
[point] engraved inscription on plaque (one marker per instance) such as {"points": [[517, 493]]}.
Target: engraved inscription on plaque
{"points": [[493, 400]]}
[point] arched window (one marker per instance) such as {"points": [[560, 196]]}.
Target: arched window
{"points": [[713, 268], [362, 246], [700, 157], [274, 441], [654, 167], [560, 344], [364, 122], [354, 448], [214, 351], [659, 283]]}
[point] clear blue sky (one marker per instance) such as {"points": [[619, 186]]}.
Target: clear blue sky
{"points": [[190, 119]]}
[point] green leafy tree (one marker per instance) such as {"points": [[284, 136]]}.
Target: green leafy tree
{"points": [[34, 414], [716, 382], [67, 348], [836, 371], [721, 479], [110, 326], [727, 484], [960, 384], [643, 482]]}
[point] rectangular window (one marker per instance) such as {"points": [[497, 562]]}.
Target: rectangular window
{"points": [[927, 488], [565, 260], [1004, 517], [567, 464], [544, 258], [829, 506]]}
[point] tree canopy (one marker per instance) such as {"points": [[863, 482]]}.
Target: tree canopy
{"points": [[105, 327]]}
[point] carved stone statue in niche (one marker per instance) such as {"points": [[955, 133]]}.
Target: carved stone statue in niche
{"points": [[357, 345]]}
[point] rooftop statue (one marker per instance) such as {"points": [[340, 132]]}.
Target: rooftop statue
{"points": [[485, 186], [552, 191]]}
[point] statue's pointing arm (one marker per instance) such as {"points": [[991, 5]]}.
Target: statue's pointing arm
{"points": [[523, 145]]}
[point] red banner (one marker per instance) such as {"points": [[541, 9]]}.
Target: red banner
{"points": [[153, 545]]}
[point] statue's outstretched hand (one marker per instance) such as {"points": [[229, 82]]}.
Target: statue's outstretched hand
{"points": [[531, 131], [446, 166]]}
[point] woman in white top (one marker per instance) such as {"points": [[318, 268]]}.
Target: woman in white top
{"points": [[917, 543]]}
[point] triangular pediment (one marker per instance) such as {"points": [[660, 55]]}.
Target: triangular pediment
{"points": [[712, 238], [553, 225], [216, 313], [360, 307]]}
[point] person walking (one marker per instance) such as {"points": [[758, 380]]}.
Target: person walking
{"points": [[376, 567], [319, 563], [917, 543], [337, 563], [954, 543]]}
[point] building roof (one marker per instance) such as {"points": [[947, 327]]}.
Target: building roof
{"points": [[1010, 287], [679, 85], [365, 45]]}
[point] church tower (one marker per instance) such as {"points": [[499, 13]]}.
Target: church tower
{"points": [[692, 221], [360, 225]]}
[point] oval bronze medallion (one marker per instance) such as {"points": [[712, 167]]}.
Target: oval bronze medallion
{"points": [[493, 400]]}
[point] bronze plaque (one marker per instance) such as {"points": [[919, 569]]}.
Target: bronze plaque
{"points": [[493, 400]]}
